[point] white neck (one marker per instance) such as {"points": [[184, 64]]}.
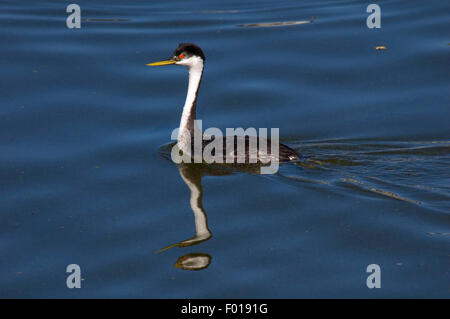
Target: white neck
{"points": [[188, 116]]}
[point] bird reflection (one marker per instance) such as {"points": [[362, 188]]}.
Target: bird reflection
{"points": [[192, 175], [194, 261]]}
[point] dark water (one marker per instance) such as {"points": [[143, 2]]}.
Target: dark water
{"points": [[84, 124]]}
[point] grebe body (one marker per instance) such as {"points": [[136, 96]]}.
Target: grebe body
{"points": [[192, 57]]}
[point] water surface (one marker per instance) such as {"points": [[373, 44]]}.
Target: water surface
{"points": [[84, 129]]}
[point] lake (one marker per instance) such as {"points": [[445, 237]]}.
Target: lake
{"points": [[85, 133]]}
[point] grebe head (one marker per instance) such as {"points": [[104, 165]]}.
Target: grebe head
{"points": [[187, 54]]}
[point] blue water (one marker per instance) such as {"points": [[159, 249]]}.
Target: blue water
{"points": [[84, 128]]}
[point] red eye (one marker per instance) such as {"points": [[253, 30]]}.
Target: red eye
{"points": [[181, 56]]}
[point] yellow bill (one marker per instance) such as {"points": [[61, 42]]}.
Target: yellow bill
{"points": [[165, 62]]}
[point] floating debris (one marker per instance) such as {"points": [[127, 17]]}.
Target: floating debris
{"points": [[436, 233], [104, 20], [276, 24], [219, 11]]}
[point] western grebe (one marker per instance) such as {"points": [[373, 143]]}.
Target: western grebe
{"points": [[192, 56]]}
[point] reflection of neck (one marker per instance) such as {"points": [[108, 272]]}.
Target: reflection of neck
{"points": [[187, 123], [194, 181], [201, 225]]}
